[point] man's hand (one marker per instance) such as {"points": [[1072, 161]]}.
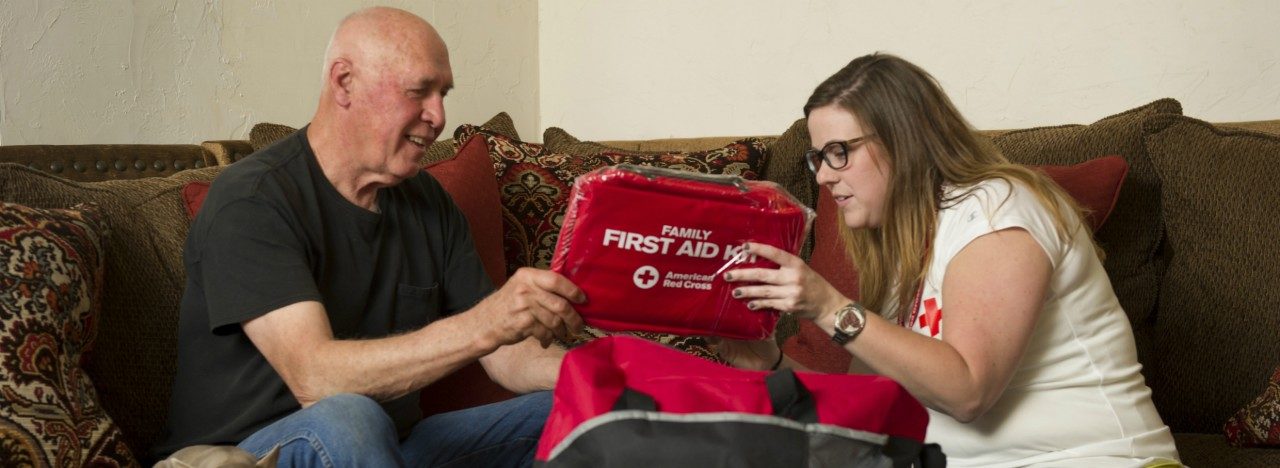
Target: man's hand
{"points": [[533, 303]]}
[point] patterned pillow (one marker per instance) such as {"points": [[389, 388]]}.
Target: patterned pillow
{"points": [[1258, 423], [49, 290], [534, 185]]}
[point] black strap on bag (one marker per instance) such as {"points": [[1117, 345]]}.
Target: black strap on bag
{"points": [[790, 398], [631, 399]]}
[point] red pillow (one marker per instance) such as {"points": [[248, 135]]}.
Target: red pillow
{"points": [[1095, 184], [468, 177], [193, 197]]}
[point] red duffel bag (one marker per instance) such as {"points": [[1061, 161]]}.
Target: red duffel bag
{"points": [[625, 402], [648, 247]]}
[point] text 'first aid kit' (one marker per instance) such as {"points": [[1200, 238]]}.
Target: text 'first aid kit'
{"points": [[649, 247]]}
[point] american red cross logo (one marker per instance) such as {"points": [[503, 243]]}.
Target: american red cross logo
{"points": [[932, 316], [645, 277]]}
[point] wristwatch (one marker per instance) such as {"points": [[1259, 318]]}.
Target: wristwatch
{"points": [[850, 320]]}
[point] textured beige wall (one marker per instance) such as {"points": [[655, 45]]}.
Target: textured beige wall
{"points": [[177, 71], [182, 71], [621, 70]]}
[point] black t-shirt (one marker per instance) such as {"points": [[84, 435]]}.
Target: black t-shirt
{"points": [[274, 231]]}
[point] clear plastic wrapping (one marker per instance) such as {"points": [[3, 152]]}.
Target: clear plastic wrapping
{"points": [[649, 245]]}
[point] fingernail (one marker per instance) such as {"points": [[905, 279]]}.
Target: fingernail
{"points": [[737, 293], [751, 305], [728, 276]]}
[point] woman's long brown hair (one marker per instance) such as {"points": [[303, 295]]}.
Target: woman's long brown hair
{"points": [[926, 144]]}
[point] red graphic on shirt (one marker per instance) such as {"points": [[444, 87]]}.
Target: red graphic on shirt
{"points": [[932, 316]]}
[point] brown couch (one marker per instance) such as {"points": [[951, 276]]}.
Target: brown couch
{"points": [[1189, 247]]}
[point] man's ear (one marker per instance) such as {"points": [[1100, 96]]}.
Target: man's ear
{"points": [[339, 80]]}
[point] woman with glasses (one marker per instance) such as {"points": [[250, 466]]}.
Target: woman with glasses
{"points": [[981, 290]]}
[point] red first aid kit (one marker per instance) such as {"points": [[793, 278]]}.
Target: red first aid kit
{"points": [[625, 402], [649, 247]]}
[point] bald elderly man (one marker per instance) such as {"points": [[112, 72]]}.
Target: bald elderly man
{"points": [[329, 279]]}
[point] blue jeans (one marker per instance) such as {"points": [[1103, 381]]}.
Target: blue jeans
{"points": [[353, 430]]}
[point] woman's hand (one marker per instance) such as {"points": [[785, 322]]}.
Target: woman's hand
{"points": [[755, 355], [792, 288]]}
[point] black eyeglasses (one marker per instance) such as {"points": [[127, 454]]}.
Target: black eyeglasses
{"points": [[835, 153]]}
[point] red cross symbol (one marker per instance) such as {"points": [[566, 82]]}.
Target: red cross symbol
{"points": [[932, 316]]}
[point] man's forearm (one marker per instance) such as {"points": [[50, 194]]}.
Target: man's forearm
{"points": [[299, 344], [525, 367]]}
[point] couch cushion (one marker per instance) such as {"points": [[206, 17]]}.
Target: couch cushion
{"points": [[1216, 329], [1131, 237], [134, 358], [785, 166], [49, 289], [1258, 423], [264, 134], [1198, 450], [1267, 126]]}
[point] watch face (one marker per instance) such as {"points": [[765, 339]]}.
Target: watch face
{"points": [[849, 321]]}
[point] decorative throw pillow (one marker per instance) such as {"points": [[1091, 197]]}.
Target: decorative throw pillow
{"points": [[534, 184], [1258, 423], [1094, 184], [49, 290], [468, 177], [1216, 330], [134, 350]]}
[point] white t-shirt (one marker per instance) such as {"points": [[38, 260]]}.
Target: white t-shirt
{"points": [[1077, 395]]}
